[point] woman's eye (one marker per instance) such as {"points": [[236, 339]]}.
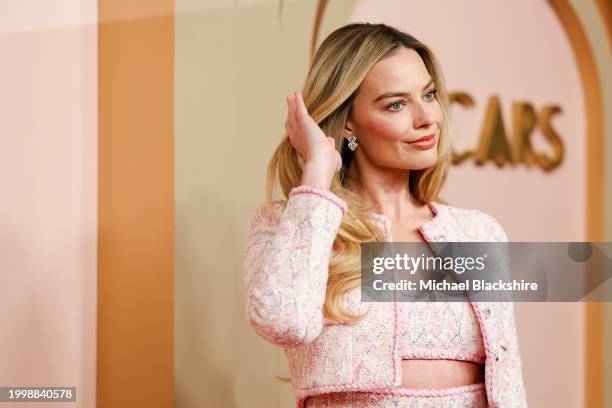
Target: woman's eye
{"points": [[397, 104], [430, 96]]}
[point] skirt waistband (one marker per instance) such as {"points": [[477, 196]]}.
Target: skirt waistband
{"points": [[433, 392], [465, 396]]}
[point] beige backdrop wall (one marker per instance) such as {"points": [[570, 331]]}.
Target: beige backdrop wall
{"points": [[235, 62]]}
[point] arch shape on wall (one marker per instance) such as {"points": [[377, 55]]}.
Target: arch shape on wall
{"points": [[591, 88]]}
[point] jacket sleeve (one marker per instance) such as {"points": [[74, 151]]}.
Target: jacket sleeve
{"points": [[286, 265]]}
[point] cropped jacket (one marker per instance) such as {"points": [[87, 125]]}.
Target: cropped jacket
{"points": [[286, 260]]}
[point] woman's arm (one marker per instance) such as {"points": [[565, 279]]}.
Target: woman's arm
{"points": [[286, 264]]}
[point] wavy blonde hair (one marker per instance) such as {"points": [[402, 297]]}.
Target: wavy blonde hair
{"points": [[338, 68]]}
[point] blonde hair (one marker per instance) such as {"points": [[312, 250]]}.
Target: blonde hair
{"points": [[338, 68]]}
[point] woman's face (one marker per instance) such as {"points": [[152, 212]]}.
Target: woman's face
{"points": [[396, 105]]}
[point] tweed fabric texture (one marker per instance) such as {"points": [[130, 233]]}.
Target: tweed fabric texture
{"points": [[468, 396], [287, 253]]}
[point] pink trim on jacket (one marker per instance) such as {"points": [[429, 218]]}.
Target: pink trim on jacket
{"points": [[285, 279]]}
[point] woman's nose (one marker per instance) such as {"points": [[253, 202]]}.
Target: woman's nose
{"points": [[423, 115]]}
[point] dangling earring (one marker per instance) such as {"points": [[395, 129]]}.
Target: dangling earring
{"points": [[352, 143]]}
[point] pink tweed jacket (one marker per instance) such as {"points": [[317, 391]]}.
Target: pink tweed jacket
{"points": [[285, 277]]}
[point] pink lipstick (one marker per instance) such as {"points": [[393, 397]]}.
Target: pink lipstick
{"points": [[425, 142]]}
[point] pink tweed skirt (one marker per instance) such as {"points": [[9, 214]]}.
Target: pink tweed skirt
{"points": [[472, 396]]}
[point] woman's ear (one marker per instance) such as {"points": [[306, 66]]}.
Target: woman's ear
{"points": [[348, 130]]}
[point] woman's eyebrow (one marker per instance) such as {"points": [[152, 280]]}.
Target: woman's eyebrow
{"points": [[395, 94]]}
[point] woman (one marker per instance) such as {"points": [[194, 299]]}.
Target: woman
{"points": [[366, 154]]}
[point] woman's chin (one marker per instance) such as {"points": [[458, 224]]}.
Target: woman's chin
{"points": [[421, 160]]}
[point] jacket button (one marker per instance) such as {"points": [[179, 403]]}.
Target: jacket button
{"points": [[487, 312], [497, 357]]}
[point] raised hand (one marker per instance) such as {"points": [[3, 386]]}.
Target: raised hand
{"points": [[321, 159]]}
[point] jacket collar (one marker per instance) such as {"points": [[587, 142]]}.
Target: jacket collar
{"points": [[442, 227]]}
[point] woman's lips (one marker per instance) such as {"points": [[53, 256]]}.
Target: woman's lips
{"points": [[425, 142]]}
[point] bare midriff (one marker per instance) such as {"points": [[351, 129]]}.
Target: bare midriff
{"points": [[440, 373]]}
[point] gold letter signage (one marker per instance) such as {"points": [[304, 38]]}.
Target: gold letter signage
{"points": [[494, 144]]}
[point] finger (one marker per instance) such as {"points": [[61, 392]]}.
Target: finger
{"points": [[302, 112], [331, 141], [297, 119], [288, 130], [289, 108], [291, 111], [289, 122]]}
